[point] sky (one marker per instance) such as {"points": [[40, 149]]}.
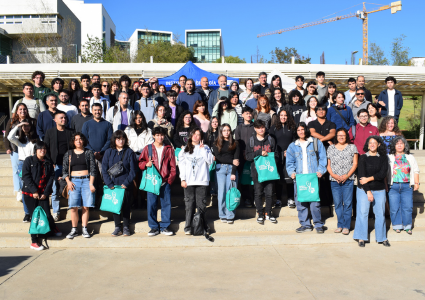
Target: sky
{"points": [[241, 21]]}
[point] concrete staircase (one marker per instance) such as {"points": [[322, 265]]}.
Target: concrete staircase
{"points": [[244, 232]]}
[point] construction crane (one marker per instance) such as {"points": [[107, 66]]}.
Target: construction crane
{"points": [[361, 14]]}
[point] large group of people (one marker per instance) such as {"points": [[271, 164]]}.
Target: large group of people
{"points": [[328, 147]]}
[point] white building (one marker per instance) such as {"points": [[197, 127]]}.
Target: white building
{"points": [[208, 44], [95, 21], [151, 36]]}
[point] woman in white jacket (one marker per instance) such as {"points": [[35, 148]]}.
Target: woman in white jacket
{"points": [[403, 179], [24, 136], [194, 164]]}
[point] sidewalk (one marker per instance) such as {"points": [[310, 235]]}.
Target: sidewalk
{"points": [[342, 271]]}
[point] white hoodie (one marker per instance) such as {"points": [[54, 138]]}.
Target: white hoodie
{"points": [[138, 142], [195, 168], [24, 150]]}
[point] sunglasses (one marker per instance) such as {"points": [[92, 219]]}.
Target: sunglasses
{"points": [[106, 85], [360, 94]]}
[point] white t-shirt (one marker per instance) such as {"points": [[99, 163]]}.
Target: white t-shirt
{"points": [[69, 109], [305, 163], [352, 94], [33, 109], [391, 102], [159, 153]]}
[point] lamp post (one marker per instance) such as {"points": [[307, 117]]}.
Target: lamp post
{"points": [[76, 52], [353, 57]]}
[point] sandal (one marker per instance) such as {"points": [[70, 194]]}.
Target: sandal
{"points": [[397, 230], [338, 230], [409, 231], [345, 231]]}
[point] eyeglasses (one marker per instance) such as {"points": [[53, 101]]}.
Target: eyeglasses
{"points": [[106, 85], [363, 117], [360, 94]]}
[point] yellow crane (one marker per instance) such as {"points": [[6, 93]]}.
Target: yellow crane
{"points": [[361, 14]]}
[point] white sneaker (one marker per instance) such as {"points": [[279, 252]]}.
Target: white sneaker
{"points": [[291, 203], [56, 216], [19, 196], [86, 234]]}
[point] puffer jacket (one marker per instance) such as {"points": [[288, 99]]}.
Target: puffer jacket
{"points": [[138, 142]]}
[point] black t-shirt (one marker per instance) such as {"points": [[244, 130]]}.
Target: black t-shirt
{"points": [[283, 136], [322, 129], [62, 147]]}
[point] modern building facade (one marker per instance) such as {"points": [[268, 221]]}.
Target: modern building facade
{"points": [[150, 36], [208, 44]]}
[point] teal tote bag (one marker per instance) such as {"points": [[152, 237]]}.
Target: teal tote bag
{"points": [[307, 187], [151, 180], [112, 199], [39, 222], [233, 197], [266, 167], [246, 178]]}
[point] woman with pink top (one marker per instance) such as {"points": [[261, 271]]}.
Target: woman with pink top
{"points": [[201, 115]]}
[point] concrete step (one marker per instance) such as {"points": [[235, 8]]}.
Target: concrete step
{"points": [[6, 180], [6, 191], [138, 240]]}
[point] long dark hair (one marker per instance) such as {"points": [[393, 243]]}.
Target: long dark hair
{"points": [[273, 102], [306, 89], [221, 110], [290, 123], [300, 102], [274, 78], [133, 125], [347, 136], [200, 103], [327, 95], [189, 146], [308, 105], [378, 114], [39, 145], [382, 149], [71, 91], [15, 118], [31, 136], [116, 135], [210, 130], [180, 121], [219, 141], [306, 130]]}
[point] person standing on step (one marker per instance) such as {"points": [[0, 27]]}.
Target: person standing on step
{"points": [[205, 91], [125, 83], [201, 116], [97, 98], [372, 171], [188, 98], [362, 131], [194, 163], [146, 104], [390, 101], [297, 104], [161, 121], [322, 88], [57, 140], [79, 171], [350, 94], [161, 157], [57, 87], [283, 131], [37, 177], [216, 95], [261, 144], [245, 96], [121, 114], [184, 126], [120, 151], [361, 81], [65, 106], [85, 115], [302, 157], [299, 84], [39, 89], [359, 103], [172, 110], [226, 152], [84, 92], [342, 163], [403, 173], [34, 106], [340, 114], [45, 119]]}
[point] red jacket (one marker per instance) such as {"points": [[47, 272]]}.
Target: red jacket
{"points": [[362, 133], [168, 162]]}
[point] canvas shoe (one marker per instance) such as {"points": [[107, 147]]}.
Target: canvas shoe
{"points": [[260, 218], [37, 247], [270, 217], [291, 203], [153, 232], [167, 232], [117, 231], [72, 234], [56, 216], [27, 218], [303, 229], [86, 234], [19, 196]]}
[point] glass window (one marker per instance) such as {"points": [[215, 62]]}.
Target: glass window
{"points": [[18, 17], [1, 22], [27, 17], [18, 22], [35, 16], [9, 17], [1, 17], [9, 22]]}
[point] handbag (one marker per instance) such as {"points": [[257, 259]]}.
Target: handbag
{"points": [[266, 167], [307, 187], [118, 168], [39, 222], [200, 225], [246, 178], [233, 197], [151, 180], [63, 185], [112, 199]]}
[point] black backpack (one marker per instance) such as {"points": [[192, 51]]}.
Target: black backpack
{"points": [[200, 225]]}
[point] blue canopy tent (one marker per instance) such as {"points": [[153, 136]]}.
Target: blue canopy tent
{"points": [[190, 70]]}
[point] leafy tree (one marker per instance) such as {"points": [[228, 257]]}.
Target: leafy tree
{"points": [[280, 56], [116, 54], [164, 52], [376, 55], [400, 53], [232, 60], [92, 50]]}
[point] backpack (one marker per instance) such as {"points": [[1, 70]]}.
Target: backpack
{"points": [[116, 110]]}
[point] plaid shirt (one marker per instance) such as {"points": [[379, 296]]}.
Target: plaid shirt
{"points": [[41, 184]]}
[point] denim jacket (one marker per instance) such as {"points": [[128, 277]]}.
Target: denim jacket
{"points": [[294, 158]]}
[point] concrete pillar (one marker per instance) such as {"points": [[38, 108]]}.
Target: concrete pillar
{"points": [[292, 59], [8, 59], [10, 103], [222, 59], [151, 59], [421, 129]]}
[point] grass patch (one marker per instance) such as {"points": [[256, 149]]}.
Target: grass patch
{"points": [[408, 110]]}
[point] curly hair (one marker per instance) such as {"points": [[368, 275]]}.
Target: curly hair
{"points": [[395, 141], [383, 126], [82, 137], [38, 73], [382, 148], [289, 121], [294, 93], [180, 121]]}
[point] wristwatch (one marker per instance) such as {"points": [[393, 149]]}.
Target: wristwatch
{"points": [[417, 183]]}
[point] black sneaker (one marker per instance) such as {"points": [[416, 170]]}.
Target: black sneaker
{"points": [[270, 217], [126, 231], [320, 230], [260, 218], [167, 232], [248, 203], [386, 243], [278, 204], [153, 232], [117, 231], [26, 219], [303, 229]]}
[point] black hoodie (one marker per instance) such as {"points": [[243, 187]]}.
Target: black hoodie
{"points": [[268, 144], [242, 134], [181, 136]]}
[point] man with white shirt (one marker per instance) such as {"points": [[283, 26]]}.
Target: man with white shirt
{"points": [[390, 101], [97, 98], [65, 106], [350, 95], [120, 114], [34, 106]]}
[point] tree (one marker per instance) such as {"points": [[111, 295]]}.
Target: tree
{"points": [[280, 56], [232, 60], [92, 50], [400, 53], [116, 54], [376, 55], [164, 52]]}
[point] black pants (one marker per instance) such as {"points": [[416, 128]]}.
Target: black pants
{"points": [[194, 194], [267, 188], [246, 192], [125, 209], [32, 204], [279, 189]]}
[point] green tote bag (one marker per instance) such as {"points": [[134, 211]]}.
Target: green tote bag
{"points": [[246, 178], [307, 187], [266, 167], [212, 172], [151, 181], [176, 153], [112, 199], [39, 222], [233, 197]]}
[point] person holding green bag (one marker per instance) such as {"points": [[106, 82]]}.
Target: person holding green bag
{"points": [[37, 177], [194, 164], [160, 157], [261, 145], [307, 156], [122, 160]]}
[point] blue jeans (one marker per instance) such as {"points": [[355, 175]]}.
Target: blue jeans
{"points": [[224, 183], [55, 196], [302, 208], [14, 157], [401, 205], [343, 198], [81, 196], [165, 198], [362, 218]]}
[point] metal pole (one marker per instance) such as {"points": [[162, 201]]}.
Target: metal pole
{"points": [[76, 54], [10, 103], [421, 129]]}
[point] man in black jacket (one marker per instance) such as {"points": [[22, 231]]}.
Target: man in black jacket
{"points": [[84, 92], [57, 141], [205, 91], [361, 81]]}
